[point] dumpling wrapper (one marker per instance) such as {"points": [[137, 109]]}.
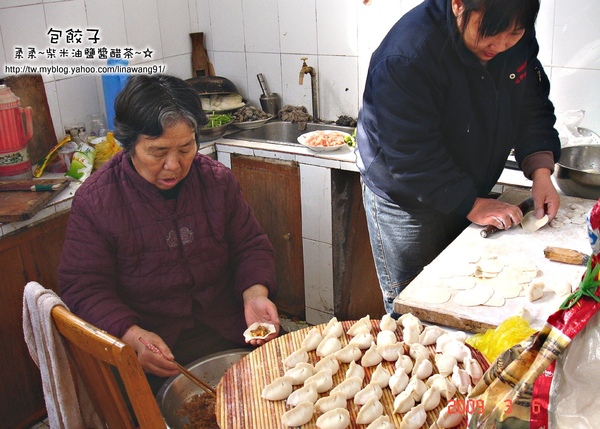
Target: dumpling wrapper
{"points": [[530, 223], [248, 332]]}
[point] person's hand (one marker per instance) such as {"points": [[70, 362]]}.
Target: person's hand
{"points": [[489, 211], [154, 363], [259, 308], [545, 197]]}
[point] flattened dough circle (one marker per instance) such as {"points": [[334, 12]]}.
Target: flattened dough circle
{"points": [[530, 223]]}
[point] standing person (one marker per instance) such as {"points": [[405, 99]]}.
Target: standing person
{"points": [[453, 87], [161, 245]]}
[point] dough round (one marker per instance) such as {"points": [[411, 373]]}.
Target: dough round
{"points": [[530, 223], [433, 294], [473, 297]]}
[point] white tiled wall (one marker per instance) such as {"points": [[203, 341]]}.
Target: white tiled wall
{"points": [[246, 37]]}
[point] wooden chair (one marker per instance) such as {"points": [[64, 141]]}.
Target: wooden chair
{"points": [[94, 354]]}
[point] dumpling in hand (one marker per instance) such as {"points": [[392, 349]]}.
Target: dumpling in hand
{"points": [[338, 418], [331, 402], [299, 415], [306, 393], [278, 389], [369, 412], [369, 391], [312, 339], [349, 387]]}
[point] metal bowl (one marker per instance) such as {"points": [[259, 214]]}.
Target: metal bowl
{"points": [[178, 390], [210, 134], [208, 85], [577, 172]]}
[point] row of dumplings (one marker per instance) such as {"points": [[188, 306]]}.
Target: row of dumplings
{"points": [[415, 387]]}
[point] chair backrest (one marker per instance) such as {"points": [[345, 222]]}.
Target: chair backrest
{"points": [[94, 354]]}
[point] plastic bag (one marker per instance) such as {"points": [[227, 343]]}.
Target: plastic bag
{"points": [[567, 124], [551, 380]]}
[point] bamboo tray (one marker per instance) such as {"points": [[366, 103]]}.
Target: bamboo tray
{"points": [[239, 403]]}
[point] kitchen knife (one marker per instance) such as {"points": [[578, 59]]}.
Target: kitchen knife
{"points": [[566, 256], [525, 207]]}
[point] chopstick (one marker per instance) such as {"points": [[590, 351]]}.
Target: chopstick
{"points": [[206, 387]]}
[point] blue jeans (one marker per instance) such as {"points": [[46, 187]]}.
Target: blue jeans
{"points": [[404, 241]]}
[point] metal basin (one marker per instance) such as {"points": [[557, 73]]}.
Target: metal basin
{"points": [[178, 389], [282, 132], [577, 172]]}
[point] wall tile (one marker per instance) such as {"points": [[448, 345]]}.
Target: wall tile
{"points": [[143, 27], [17, 3], [77, 98], [577, 89], [23, 27], [261, 26], [175, 27], [233, 66], [298, 26], [374, 22], [227, 25], [108, 16], [338, 83], [337, 27], [544, 28]]}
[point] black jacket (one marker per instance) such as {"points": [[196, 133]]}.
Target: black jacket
{"points": [[436, 126]]}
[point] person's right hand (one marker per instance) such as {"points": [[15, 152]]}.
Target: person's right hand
{"points": [[158, 364], [489, 211]]}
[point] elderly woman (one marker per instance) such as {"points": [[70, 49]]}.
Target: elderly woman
{"points": [[161, 245], [452, 89]]}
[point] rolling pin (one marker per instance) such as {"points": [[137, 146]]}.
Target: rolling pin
{"points": [[566, 256]]}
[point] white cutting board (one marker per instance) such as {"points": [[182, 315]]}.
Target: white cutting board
{"points": [[515, 241]]}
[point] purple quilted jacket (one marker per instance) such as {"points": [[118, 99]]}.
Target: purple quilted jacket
{"points": [[132, 257]]}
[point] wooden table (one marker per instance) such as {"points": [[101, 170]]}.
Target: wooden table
{"points": [[514, 242]]}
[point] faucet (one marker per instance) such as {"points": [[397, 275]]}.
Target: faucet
{"points": [[314, 86]]}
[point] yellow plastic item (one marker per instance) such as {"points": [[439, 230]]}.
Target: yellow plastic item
{"points": [[495, 341], [105, 150], [45, 161]]}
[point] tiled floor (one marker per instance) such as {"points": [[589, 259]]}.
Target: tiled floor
{"points": [[287, 323]]}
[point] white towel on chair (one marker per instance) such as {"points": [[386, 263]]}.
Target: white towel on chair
{"points": [[65, 409]]}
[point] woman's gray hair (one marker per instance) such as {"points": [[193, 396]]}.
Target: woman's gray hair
{"points": [[150, 103]]}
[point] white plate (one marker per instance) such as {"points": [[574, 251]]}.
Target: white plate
{"points": [[248, 332], [302, 140], [249, 125]]}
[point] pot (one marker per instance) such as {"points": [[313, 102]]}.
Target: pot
{"points": [[178, 389], [209, 85], [577, 172]]}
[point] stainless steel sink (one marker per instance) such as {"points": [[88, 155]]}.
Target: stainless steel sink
{"points": [[281, 132]]}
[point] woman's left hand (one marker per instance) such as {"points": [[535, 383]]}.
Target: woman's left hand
{"points": [[259, 308]]}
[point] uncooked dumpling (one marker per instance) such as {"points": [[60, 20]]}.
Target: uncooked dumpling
{"points": [[300, 355], [369, 411], [349, 387], [299, 415], [338, 418], [355, 370], [323, 380], [431, 399], [388, 323], [371, 390], [306, 393], [445, 363], [381, 376], [361, 325], [386, 337], [329, 362], [312, 339], [333, 327], [415, 418], [300, 372], [398, 381], [390, 352], [331, 402], [363, 340], [403, 402], [329, 345], [348, 354], [382, 422], [371, 357], [278, 389]]}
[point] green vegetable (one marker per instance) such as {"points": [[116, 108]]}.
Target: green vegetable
{"points": [[216, 120], [351, 140]]}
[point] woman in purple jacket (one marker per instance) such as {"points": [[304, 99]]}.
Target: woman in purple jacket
{"points": [[451, 90], [161, 245]]}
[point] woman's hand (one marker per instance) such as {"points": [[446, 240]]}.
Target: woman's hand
{"points": [[489, 211], [545, 197], [259, 308], [154, 363]]}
